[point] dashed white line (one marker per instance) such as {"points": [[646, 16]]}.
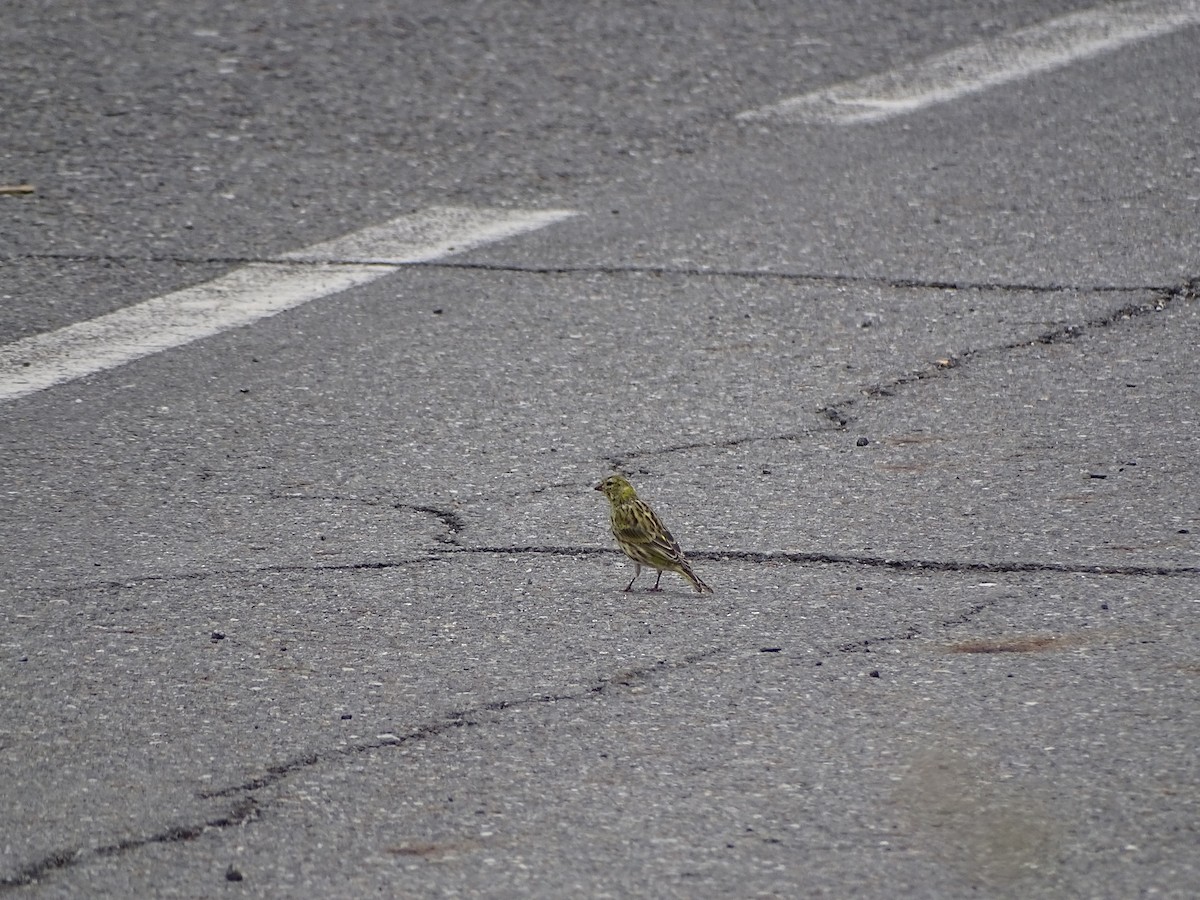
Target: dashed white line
{"points": [[1018, 54], [254, 292]]}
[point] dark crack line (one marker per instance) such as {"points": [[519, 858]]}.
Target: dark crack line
{"points": [[242, 812], [852, 559], [941, 565], [247, 808], [965, 617], [458, 719], [451, 548], [118, 584], [449, 519], [837, 410], [864, 646], [541, 489], [621, 461], [685, 271], [795, 276]]}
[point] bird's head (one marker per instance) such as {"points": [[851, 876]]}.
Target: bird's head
{"points": [[616, 489]]}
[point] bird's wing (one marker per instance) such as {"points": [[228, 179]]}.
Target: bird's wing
{"points": [[643, 526]]}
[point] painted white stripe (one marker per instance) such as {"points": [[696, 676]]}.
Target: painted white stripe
{"points": [[253, 292], [1016, 55], [427, 235]]}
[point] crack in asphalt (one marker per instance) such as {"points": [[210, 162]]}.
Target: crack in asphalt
{"points": [[459, 719], [240, 813], [118, 584], [452, 547], [248, 808], [964, 618], [864, 645], [449, 518], [663, 270], [807, 277], [854, 559], [835, 410], [620, 461]]}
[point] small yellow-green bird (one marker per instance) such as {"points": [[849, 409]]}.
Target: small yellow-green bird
{"points": [[643, 537]]}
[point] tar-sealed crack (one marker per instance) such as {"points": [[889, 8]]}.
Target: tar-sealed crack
{"points": [[242, 812], [852, 559], [622, 461], [652, 270], [461, 718], [452, 548], [449, 519], [838, 411], [796, 277], [114, 585], [246, 807], [866, 645]]}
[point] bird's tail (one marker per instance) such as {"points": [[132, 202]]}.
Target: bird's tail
{"points": [[699, 586]]}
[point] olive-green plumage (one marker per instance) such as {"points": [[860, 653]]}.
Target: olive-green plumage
{"points": [[643, 537]]}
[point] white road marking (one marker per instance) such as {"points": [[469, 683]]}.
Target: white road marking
{"points": [[965, 70], [253, 292], [427, 235]]}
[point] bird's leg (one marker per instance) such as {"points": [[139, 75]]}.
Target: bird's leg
{"points": [[656, 581], [637, 570]]}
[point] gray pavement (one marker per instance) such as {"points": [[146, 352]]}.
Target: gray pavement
{"points": [[326, 606]]}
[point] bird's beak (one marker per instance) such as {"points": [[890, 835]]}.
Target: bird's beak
{"points": [[598, 487]]}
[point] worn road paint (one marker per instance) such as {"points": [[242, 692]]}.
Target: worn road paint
{"points": [[253, 292], [1010, 57]]}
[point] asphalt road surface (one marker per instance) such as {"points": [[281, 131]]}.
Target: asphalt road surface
{"points": [[339, 311]]}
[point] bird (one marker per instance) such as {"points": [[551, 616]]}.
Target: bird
{"points": [[643, 537]]}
